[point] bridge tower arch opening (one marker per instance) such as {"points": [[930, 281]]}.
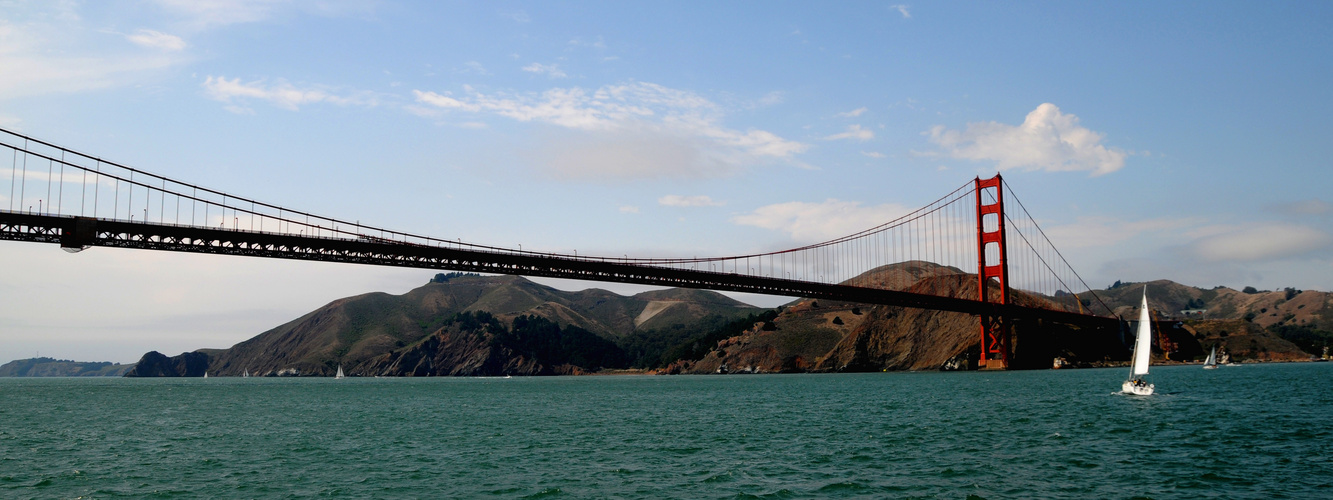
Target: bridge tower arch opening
{"points": [[992, 272]]}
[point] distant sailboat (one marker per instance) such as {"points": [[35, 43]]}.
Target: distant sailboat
{"points": [[205, 374], [247, 373], [340, 372], [1142, 349], [1211, 362]]}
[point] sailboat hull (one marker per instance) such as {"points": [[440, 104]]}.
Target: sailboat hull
{"points": [[1138, 390]]}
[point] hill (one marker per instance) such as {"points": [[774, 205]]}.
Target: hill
{"points": [[810, 335], [363, 332], [486, 325], [50, 367]]}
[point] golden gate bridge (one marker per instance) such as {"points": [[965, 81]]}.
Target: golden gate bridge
{"points": [[1020, 285]]}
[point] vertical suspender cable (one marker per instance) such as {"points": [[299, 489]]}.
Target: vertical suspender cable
{"points": [[13, 176], [60, 192], [50, 171], [23, 180]]}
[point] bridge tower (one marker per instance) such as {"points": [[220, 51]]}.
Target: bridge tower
{"points": [[995, 335]]}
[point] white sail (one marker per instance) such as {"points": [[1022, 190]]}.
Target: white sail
{"points": [[1212, 358], [340, 372], [1143, 340]]}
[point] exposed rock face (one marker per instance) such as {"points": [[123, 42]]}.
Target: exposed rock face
{"points": [[896, 338], [453, 352], [156, 364], [813, 335]]}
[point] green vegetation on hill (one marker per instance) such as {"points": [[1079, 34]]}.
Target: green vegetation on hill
{"points": [[445, 277], [698, 346], [546, 342], [1309, 339], [651, 348]]}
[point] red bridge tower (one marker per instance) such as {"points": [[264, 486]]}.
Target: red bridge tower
{"points": [[990, 243]]}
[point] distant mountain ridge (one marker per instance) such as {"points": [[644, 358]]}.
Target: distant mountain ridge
{"points": [[357, 332], [468, 325], [51, 367]]}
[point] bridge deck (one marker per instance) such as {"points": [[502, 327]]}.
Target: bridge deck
{"points": [[78, 232]]}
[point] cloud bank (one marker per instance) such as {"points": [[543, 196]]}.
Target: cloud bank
{"points": [[280, 93], [630, 131], [675, 200], [1047, 140], [812, 222], [1264, 242], [157, 40]]}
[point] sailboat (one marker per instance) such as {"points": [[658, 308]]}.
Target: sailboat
{"points": [[247, 373], [205, 374], [340, 372], [1211, 362], [1142, 349]]}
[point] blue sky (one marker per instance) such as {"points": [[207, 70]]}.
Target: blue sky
{"points": [[1186, 141]]}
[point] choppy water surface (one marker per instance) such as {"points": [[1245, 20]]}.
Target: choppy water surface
{"points": [[1259, 431]]}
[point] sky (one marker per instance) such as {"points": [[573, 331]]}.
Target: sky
{"points": [[1178, 140]]}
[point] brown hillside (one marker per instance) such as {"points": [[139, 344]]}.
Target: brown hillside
{"points": [[355, 331], [1243, 341]]}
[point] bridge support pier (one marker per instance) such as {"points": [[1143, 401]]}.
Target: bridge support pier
{"points": [[995, 330], [78, 234]]}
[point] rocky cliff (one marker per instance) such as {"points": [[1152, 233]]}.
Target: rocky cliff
{"points": [[156, 364]]}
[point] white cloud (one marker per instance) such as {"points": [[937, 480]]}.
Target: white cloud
{"points": [[811, 222], [550, 70], [157, 40], [853, 113], [634, 130], [629, 209], [675, 200], [1103, 232], [206, 14], [854, 132], [771, 99], [281, 94], [579, 42], [53, 52], [210, 13], [1262, 243], [873, 154], [443, 101], [1046, 140], [902, 9]]}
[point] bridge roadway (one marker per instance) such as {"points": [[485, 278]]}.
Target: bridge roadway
{"points": [[79, 232]]}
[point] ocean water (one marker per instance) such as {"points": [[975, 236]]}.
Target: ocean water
{"points": [[1253, 431]]}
